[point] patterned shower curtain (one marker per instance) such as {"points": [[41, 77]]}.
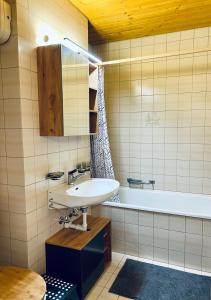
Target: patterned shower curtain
{"points": [[101, 161]]}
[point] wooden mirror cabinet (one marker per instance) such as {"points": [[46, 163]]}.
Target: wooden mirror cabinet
{"points": [[67, 86]]}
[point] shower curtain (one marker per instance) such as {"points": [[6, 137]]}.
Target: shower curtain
{"points": [[101, 161]]}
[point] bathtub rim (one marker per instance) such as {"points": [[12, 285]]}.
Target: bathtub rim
{"points": [[160, 210]]}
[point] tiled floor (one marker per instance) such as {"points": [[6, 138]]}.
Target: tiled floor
{"points": [[101, 289]]}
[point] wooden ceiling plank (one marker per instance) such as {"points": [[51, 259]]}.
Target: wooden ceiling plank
{"points": [[123, 19], [138, 24]]}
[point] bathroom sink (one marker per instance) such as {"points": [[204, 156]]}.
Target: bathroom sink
{"points": [[89, 192]]}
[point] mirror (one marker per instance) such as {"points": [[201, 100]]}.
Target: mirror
{"points": [[75, 78]]}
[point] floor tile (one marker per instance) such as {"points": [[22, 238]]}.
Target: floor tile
{"points": [[102, 281], [125, 257], [117, 257], [112, 266], [105, 295], [117, 270], [110, 282], [94, 293]]}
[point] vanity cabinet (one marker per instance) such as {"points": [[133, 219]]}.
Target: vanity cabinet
{"points": [[80, 257], [63, 87]]}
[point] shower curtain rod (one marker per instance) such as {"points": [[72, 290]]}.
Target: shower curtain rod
{"points": [[150, 57]]}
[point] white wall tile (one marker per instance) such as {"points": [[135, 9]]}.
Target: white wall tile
{"points": [[206, 186], [5, 250], [177, 223], [161, 221], [196, 185], [161, 255], [146, 235], [19, 253], [15, 170], [2, 115], [10, 78], [146, 218], [194, 225], [131, 249], [131, 234], [176, 258], [12, 111], [4, 198], [5, 224], [117, 214], [206, 250], [207, 227], [146, 251], [118, 230], [3, 170], [161, 238], [177, 241], [193, 244], [18, 227], [206, 264], [193, 261], [131, 217]]}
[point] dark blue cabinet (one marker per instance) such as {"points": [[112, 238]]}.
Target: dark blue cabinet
{"points": [[80, 257]]}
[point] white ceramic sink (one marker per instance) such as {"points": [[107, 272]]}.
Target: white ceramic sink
{"points": [[90, 192]]}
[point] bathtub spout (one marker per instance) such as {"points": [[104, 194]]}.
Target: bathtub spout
{"points": [[132, 181], [152, 182]]}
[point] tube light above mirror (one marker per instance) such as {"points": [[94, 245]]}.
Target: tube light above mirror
{"points": [[75, 47]]}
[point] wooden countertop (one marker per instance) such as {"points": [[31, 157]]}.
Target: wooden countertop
{"points": [[19, 284], [75, 239]]}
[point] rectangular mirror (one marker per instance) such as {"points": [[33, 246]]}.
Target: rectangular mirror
{"points": [[75, 79]]}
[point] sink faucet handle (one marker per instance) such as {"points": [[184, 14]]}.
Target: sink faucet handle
{"points": [[72, 172], [71, 176], [81, 167], [152, 181]]}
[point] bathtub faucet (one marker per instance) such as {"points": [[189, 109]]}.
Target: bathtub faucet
{"points": [[132, 181]]}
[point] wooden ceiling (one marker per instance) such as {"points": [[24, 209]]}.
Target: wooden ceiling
{"points": [[114, 20]]}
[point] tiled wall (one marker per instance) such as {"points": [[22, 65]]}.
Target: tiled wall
{"points": [[176, 240], [159, 111], [25, 221]]}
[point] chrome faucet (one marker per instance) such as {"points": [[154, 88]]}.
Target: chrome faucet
{"points": [[72, 177], [132, 181]]}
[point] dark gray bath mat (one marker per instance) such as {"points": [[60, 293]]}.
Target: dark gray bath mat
{"points": [[143, 281]]}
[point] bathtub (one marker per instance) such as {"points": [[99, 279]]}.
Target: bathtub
{"points": [[164, 227], [176, 203]]}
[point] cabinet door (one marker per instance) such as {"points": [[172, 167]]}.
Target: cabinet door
{"points": [[75, 82], [92, 262], [50, 90], [63, 84]]}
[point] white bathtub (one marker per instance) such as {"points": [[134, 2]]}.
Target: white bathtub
{"points": [[166, 227], [185, 204]]}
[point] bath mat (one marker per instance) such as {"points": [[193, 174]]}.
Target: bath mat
{"points": [[143, 281]]}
